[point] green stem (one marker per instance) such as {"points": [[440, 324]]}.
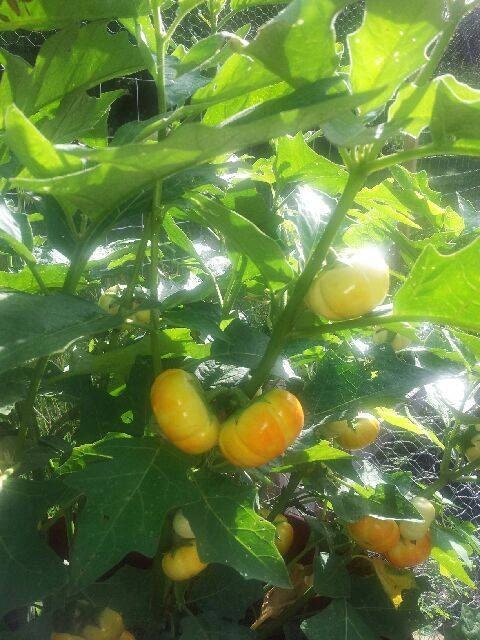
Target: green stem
{"points": [[451, 476], [36, 274], [286, 320], [158, 213], [378, 320], [127, 299], [427, 151], [26, 410]]}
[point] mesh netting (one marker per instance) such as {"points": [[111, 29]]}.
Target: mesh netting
{"points": [[451, 176]]}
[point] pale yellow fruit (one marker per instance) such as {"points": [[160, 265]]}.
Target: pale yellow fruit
{"points": [[109, 300], [110, 626], [417, 530], [354, 287], [182, 527], [142, 317]]}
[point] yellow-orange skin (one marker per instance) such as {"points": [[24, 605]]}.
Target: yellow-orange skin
{"points": [[110, 626], [364, 431], [352, 288], [263, 430], [182, 413], [126, 635], [374, 534], [409, 553], [283, 534], [182, 563]]}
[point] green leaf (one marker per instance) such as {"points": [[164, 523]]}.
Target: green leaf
{"points": [[201, 53], [443, 288], [339, 621], [30, 569], [387, 501], [331, 577], [402, 422], [318, 453], [288, 45], [228, 530], [10, 233], [246, 238], [455, 116], [35, 326], [224, 591], [173, 343], [33, 149], [68, 62], [76, 115], [13, 387], [40, 15], [338, 384], [295, 161], [53, 276], [213, 627], [122, 171], [128, 497], [390, 45], [450, 556]]}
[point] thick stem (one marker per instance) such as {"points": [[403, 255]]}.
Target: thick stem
{"points": [[157, 215], [36, 274], [286, 320], [127, 299], [28, 423]]}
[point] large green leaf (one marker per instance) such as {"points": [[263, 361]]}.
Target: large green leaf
{"points": [[68, 62], [339, 621], [128, 497], [76, 115], [30, 569], [229, 531], [52, 275], [298, 45], [443, 288], [34, 326], [246, 238], [51, 14], [390, 45], [340, 383], [122, 171]]}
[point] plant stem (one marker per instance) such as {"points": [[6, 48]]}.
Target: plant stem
{"points": [[378, 320], [286, 320], [127, 299], [35, 273], [157, 215], [26, 409]]}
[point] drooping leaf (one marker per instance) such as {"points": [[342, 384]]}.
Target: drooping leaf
{"points": [[403, 422], [41, 15], [331, 577], [228, 530], [32, 326], [245, 238], [450, 556], [128, 497], [339, 621], [30, 569], [124, 170], [288, 45], [390, 45], [224, 591], [443, 288]]}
